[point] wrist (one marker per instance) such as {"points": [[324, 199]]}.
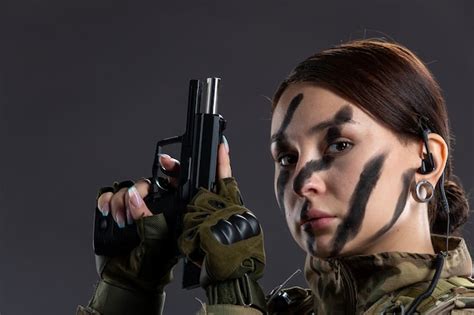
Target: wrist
{"points": [[242, 291]]}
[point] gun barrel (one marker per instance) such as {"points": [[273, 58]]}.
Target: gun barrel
{"points": [[211, 97]]}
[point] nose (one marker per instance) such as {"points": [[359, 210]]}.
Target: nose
{"points": [[308, 180]]}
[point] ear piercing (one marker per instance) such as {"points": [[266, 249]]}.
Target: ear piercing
{"points": [[424, 191]]}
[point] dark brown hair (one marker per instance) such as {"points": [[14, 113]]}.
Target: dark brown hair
{"points": [[391, 84]]}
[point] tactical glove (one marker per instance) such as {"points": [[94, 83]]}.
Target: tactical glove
{"points": [[133, 283], [225, 239]]}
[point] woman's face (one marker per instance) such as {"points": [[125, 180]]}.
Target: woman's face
{"points": [[342, 179]]}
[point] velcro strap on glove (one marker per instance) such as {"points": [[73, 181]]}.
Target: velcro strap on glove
{"points": [[242, 291]]}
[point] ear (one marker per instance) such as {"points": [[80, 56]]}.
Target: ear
{"points": [[439, 149]]}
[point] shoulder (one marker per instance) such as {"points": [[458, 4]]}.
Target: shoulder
{"points": [[453, 295]]}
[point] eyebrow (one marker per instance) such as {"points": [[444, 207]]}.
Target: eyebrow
{"points": [[343, 116], [328, 124]]}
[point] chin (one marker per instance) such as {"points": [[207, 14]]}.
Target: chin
{"points": [[319, 247]]}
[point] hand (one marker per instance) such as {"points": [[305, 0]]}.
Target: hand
{"points": [[226, 240], [125, 203], [134, 283]]}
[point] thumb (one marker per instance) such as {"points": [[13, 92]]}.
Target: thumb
{"points": [[223, 160], [136, 205]]}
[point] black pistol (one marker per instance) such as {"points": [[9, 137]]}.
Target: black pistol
{"points": [[198, 167]]}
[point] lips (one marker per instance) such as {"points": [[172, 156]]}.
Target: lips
{"points": [[315, 219]]}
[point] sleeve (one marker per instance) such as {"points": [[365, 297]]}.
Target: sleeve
{"points": [[110, 299], [227, 309]]}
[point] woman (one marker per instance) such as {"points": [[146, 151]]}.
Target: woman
{"points": [[360, 139]]}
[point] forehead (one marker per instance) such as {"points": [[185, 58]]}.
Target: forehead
{"points": [[317, 104]]}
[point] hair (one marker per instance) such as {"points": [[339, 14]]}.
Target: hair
{"points": [[392, 85]]}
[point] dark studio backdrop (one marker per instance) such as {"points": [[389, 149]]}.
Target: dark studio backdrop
{"points": [[87, 87]]}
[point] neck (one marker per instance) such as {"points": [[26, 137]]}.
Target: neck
{"points": [[411, 233]]}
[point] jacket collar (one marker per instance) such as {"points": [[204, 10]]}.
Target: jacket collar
{"points": [[350, 285]]}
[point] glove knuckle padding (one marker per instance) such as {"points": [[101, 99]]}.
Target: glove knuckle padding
{"points": [[236, 228], [228, 235]]}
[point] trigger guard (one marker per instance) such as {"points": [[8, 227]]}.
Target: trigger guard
{"points": [[162, 183]]}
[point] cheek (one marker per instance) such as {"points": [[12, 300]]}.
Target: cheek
{"points": [[342, 179], [286, 201], [294, 229], [382, 203]]}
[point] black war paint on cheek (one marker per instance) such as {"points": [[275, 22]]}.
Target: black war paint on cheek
{"points": [[282, 180], [351, 224], [407, 179], [311, 239], [280, 136]]}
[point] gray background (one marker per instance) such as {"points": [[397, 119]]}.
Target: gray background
{"points": [[87, 87]]}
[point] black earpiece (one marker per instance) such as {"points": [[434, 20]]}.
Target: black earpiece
{"points": [[427, 163]]}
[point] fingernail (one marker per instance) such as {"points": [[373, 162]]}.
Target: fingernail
{"points": [[120, 221], [135, 200], [129, 216], [162, 155], [226, 144], [104, 209]]}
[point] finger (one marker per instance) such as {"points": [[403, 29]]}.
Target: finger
{"points": [[118, 207], [143, 187], [171, 167], [223, 161], [103, 203], [134, 198]]}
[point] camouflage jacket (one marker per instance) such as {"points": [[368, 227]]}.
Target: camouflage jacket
{"points": [[384, 283], [387, 283]]}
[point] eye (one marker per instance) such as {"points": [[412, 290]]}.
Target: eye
{"points": [[338, 147], [286, 160]]}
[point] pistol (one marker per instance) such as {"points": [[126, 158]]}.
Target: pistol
{"points": [[198, 167]]}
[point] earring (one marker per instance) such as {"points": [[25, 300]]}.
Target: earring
{"points": [[424, 191]]}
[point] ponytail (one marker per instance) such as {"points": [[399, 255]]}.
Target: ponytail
{"points": [[458, 208]]}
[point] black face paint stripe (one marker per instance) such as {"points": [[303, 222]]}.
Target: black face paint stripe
{"points": [[311, 242], [333, 134], [280, 136], [351, 224], [307, 171], [282, 180], [344, 115], [304, 211], [407, 179], [311, 239], [295, 102]]}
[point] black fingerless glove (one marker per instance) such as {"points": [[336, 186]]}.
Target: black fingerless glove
{"points": [[134, 283]]}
